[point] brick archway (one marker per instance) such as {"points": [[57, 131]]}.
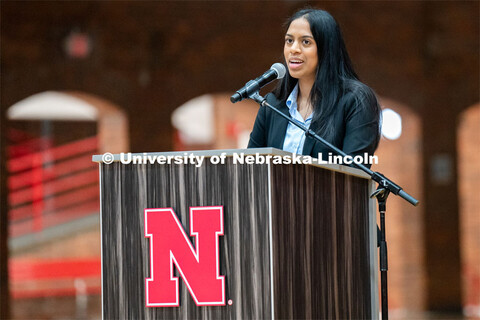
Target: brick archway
{"points": [[112, 122], [211, 121], [54, 198]]}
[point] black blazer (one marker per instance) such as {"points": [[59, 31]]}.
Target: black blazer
{"points": [[357, 128]]}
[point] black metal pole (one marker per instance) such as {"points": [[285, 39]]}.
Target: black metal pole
{"points": [[382, 194], [384, 268]]}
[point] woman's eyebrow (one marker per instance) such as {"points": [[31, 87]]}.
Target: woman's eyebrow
{"points": [[305, 36]]}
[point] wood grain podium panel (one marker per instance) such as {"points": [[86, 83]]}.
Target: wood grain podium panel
{"points": [[128, 189], [321, 224]]}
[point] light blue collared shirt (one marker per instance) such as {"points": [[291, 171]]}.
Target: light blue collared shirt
{"points": [[295, 137]]}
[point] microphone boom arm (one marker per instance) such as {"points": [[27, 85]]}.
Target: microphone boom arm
{"points": [[379, 178]]}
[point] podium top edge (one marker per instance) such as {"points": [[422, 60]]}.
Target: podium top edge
{"points": [[100, 158]]}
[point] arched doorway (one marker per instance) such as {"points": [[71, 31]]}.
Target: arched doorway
{"points": [[71, 106], [211, 121], [53, 198]]}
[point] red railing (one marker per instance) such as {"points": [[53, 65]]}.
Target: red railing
{"points": [[49, 185]]}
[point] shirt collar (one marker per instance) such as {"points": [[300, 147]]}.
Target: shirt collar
{"points": [[292, 99], [292, 104]]}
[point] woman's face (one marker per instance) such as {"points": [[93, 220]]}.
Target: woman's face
{"points": [[300, 50]]}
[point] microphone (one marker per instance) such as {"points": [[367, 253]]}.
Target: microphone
{"points": [[277, 71]]}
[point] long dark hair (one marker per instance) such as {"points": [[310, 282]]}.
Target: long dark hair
{"points": [[335, 75]]}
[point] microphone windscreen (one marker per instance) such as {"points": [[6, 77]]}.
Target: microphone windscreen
{"points": [[279, 69]]}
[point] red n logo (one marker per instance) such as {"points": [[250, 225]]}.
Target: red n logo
{"points": [[199, 267]]}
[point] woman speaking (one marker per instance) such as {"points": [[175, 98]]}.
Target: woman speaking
{"points": [[322, 91]]}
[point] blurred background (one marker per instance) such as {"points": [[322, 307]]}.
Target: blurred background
{"points": [[83, 78]]}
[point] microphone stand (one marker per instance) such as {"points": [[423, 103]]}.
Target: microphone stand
{"points": [[385, 186]]}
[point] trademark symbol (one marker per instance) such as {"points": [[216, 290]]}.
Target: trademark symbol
{"points": [[230, 302]]}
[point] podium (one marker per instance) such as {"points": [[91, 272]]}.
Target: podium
{"points": [[296, 241]]}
